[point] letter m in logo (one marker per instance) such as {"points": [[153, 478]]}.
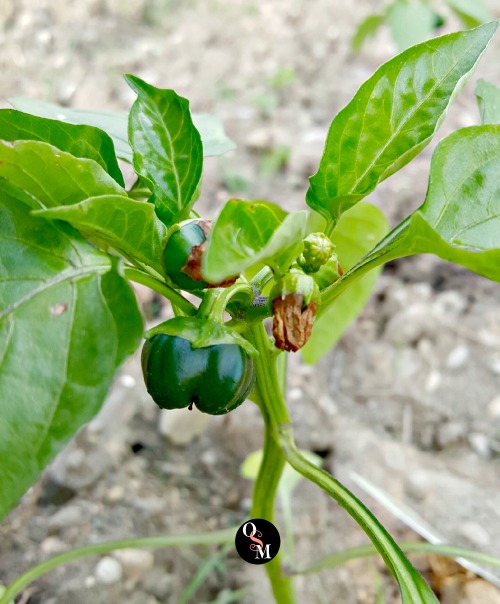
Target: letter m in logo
{"points": [[263, 553]]}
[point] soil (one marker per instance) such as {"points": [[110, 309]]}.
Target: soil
{"points": [[410, 397]]}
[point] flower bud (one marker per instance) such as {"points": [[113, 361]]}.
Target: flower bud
{"points": [[317, 250], [328, 273]]}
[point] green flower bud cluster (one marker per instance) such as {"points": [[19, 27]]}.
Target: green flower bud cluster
{"points": [[317, 251]]}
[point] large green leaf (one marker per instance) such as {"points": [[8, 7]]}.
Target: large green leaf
{"points": [[460, 218], [471, 12], [50, 177], [488, 99], [80, 141], [392, 118], [130, 227], [355, 234], [115, 123], [168, 152], [410, 22], [67, 321], [249, 232]]}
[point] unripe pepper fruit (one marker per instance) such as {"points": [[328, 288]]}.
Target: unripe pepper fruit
{"points": [[183, 253], [215, 378]]}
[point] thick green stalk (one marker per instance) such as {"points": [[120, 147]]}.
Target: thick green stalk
{"points": [[273, 406], [273, 461]]}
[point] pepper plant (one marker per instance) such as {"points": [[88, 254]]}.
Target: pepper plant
{"points": [[73, 237]]}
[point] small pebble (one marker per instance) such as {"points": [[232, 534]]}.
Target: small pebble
{"points": [[135, 562], [480, 444], [208, 458], [481, 592], [89, 582], [494, 406], [66, 517], [181, 426], [495, 366], [128, 381], [52, 545], [451, 433], [114, 494], [259, 138], [159, 583], [476, 534], [295, 394], [433, 381], [176, 469], [419, 485], [108, 570], [457, 357], [328, 404], [450, 304]]}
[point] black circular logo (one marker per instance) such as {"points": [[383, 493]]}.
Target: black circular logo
{"points": [[257, 541]]}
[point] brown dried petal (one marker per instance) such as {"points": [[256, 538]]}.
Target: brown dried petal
{"points": [[292, 325], [192, 268]]}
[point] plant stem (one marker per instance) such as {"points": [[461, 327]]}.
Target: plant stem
{"points": [[262, 278], [160, 541], [273, 461], [134, 274], [411, 583], [215, 300], [278, 427]]}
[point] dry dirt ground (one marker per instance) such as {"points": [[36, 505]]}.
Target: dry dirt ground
{"points": [[410, 398]]}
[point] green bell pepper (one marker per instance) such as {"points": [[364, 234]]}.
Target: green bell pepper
{"points": [[215, 378]]}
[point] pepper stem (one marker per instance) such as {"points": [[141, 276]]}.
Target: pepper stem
{"points": [[216, 299]]}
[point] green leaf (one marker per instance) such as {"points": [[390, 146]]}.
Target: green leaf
{"points": [[392, 117], [366, 29], [409, 547], [81, 141], [215, 140], [139, 190], [168, 152], [130, 227], [471, 12], [67, 321], [355, 234], [410, 23], [460, 218], [2, 591], [250, 232], [50, 177], [115, 123], [488, 99]]}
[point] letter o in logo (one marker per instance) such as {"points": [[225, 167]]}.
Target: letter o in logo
{"points": [[254, 529]]}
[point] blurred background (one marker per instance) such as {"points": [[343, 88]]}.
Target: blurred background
{"points": [[409, 398]]}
